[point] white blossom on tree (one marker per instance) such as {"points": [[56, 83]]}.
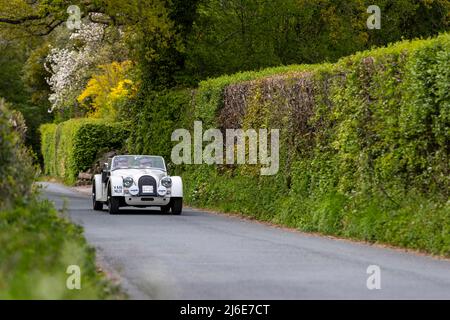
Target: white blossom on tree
{"points": [[69, 67]]}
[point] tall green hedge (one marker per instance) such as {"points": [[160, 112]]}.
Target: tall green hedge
{"points": [[72, 146], [154, 121], [364, 144]]}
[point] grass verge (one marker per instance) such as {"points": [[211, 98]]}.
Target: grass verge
{"points": [[38, 245]]}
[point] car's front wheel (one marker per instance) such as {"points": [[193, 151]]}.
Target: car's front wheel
{"points": [[96, 205], [165, 209], [176, 205], [113, 205]]}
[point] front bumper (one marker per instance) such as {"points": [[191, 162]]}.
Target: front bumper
{"points": [[146, 201]]}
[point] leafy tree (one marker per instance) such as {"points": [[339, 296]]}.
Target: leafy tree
{"points": [[107, 90], [234, 35], [15, 47], [160, 48], [34, 75], [12, 58]]}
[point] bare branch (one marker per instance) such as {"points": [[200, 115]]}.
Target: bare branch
{"points": [[24, 19], [49, 28]]}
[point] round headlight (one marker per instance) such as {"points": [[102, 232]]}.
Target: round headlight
{"points": [[166, 182], [128, 182]]}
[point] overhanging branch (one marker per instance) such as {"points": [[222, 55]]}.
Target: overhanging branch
{"points": [[23, 20]]}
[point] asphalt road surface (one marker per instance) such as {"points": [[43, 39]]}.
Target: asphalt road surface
{"points": [[199, 255]]}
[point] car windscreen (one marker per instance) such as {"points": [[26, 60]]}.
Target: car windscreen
{"points": [[138, 162]]}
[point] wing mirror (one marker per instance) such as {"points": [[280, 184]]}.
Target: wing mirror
{"points": [[105, 172]]}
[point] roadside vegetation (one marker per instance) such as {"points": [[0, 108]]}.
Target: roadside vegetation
{"points": [[364, 131], [37, 242], [364, 144]]}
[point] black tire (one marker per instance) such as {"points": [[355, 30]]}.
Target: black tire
{"points": [[176, 205], [96, 205], [113, 205], [165, 209]]}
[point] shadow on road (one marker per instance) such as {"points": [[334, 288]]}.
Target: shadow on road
{"points": [[139, 212]]}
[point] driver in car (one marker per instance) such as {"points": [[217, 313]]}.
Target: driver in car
{"points": [[145, 163], [121, 163]]}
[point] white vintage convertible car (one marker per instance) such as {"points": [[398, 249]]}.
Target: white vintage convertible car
{"points": [[137, 181]]}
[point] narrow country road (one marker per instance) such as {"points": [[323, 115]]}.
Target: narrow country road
{"points": [[204, 256]]}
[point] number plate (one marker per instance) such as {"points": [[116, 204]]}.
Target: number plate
{"points": [[147, 189]]}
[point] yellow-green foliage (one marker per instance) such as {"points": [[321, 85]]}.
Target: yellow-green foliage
{"points": [[364, 144], [71, 146], [105, 91]]}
